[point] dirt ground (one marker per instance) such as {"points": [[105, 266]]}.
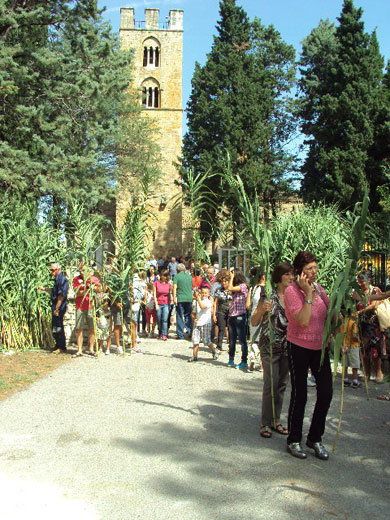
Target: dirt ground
{"points": [[23, 368]]}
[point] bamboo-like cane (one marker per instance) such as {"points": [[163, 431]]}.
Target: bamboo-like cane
{"points": [[341, 404], [267, 270]]}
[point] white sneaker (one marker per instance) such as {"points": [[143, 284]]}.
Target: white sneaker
{"points": [[119, 351], [108, 352]]}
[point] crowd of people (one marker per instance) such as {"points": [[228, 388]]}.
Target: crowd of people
{"points": [[284, 329]]}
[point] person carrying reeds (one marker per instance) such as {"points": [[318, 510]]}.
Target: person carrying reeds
{"points": [[275, 377], [222, 301], [58, 295], [306, 306], [255, 294], [373, 344], [120, 305], [86, 286], [350, 331]]}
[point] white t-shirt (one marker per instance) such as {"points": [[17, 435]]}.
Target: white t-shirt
{"points": [[149, 300], [203, 316], [256, 297]]}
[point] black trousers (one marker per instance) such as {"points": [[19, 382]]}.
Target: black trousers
{"points": [[222, 322], [58, 330], [300, 359], [141, 317]]}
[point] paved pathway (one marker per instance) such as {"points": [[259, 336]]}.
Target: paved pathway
{"points": [[153, 437]]}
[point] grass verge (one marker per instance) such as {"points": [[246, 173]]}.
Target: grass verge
{"points": [[19, 370]]}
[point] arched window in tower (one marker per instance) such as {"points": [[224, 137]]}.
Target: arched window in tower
{"points": [[152, 53], [150, 96], [151, 93], [156, 97]]}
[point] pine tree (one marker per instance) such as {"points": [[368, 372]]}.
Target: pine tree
{"points": [[341, 77], [237, 107]]}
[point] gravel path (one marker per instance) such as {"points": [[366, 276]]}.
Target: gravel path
{"points": [[154, 437]]}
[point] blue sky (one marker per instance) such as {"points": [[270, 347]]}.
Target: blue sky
{"points": [[294, 19]]}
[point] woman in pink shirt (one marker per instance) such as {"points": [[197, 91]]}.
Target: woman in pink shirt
{"points": [[306, 307], [161, 295]]}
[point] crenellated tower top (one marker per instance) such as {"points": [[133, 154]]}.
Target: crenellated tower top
{"points": [[152, 22]]}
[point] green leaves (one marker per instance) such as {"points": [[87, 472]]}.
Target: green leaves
{"points": [[342, 110], [65, 77], [345, 283], [239, 106], [27, 248]]}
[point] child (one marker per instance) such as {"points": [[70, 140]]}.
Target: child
{"points": [[202, 323], [104, 327], [351, 351], [150, 310], [136, 297]]}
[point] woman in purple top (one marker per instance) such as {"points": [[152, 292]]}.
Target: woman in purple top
{"points": [[237, 318], [306, 307]]}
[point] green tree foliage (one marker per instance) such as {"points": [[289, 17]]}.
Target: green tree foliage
{"points": [[342, 103], [238, 107], [63, 83]]}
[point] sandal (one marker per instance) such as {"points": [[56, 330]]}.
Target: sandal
{"points": [[78, 354], [92, 354], [279, 428], [384, 397], [264, 432]]}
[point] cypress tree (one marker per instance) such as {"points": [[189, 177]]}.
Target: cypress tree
{"points": [[341, 77], [238, 107]]}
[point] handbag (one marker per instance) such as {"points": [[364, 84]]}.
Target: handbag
{"points": [[383, 313]]}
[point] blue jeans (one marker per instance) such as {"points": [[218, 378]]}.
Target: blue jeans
{"points": [[237, 329], [162, 319], [183, 318]]}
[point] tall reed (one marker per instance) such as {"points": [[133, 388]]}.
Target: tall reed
{"points": [[198, 201], [341, 296], [27, 248], [260, 243]]}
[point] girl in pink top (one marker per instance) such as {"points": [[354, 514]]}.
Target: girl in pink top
{"points": [[306, 307], [161, 293]]}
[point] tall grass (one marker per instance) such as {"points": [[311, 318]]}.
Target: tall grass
{"points": [[199, 201], [28, 245], [342, 290], [259, 240], [27, 248], [321, 229]]}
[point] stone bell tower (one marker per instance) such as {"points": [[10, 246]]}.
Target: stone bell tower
{"points": [[157, 75]]}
